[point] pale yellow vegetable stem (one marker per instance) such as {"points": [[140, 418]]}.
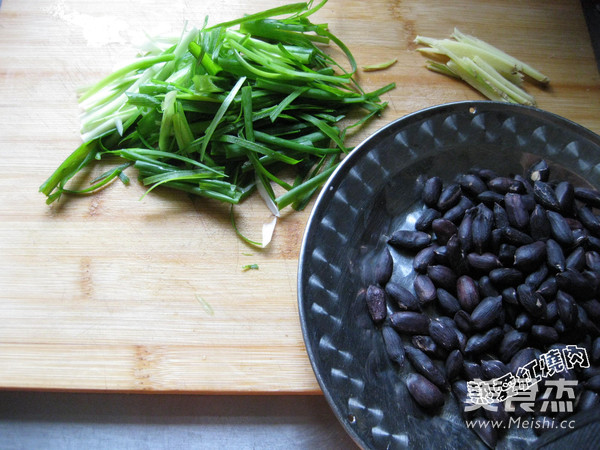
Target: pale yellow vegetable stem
{"points": [[523, 67]]}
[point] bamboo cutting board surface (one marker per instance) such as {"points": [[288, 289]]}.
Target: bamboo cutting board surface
{"points": [[111, 293]]}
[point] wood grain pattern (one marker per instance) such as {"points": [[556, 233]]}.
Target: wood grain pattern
{"points": [[110, 293]]}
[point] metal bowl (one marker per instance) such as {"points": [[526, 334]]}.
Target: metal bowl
{"points": [[373, 192]]}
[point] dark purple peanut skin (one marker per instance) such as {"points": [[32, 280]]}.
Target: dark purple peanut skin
{"points": [[376, 303], [425, 393], [512, 266]]}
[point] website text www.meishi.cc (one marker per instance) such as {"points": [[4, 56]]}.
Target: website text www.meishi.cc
{"points": [[521, 422]]}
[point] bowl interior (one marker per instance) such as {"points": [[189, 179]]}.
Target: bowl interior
{"points": [[374, 192]]}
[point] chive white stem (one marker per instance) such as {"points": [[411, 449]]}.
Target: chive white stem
{"points": [[520, 65], [491, 71]]}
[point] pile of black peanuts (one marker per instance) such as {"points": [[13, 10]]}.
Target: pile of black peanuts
{"points": [[507, 267]]}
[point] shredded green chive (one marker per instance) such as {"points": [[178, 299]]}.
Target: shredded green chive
{"points": [[380, 66], [250, 267], [224, 110], [205, 305]]}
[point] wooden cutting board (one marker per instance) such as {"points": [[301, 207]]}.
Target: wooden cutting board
{"points": [[111, 293]]}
